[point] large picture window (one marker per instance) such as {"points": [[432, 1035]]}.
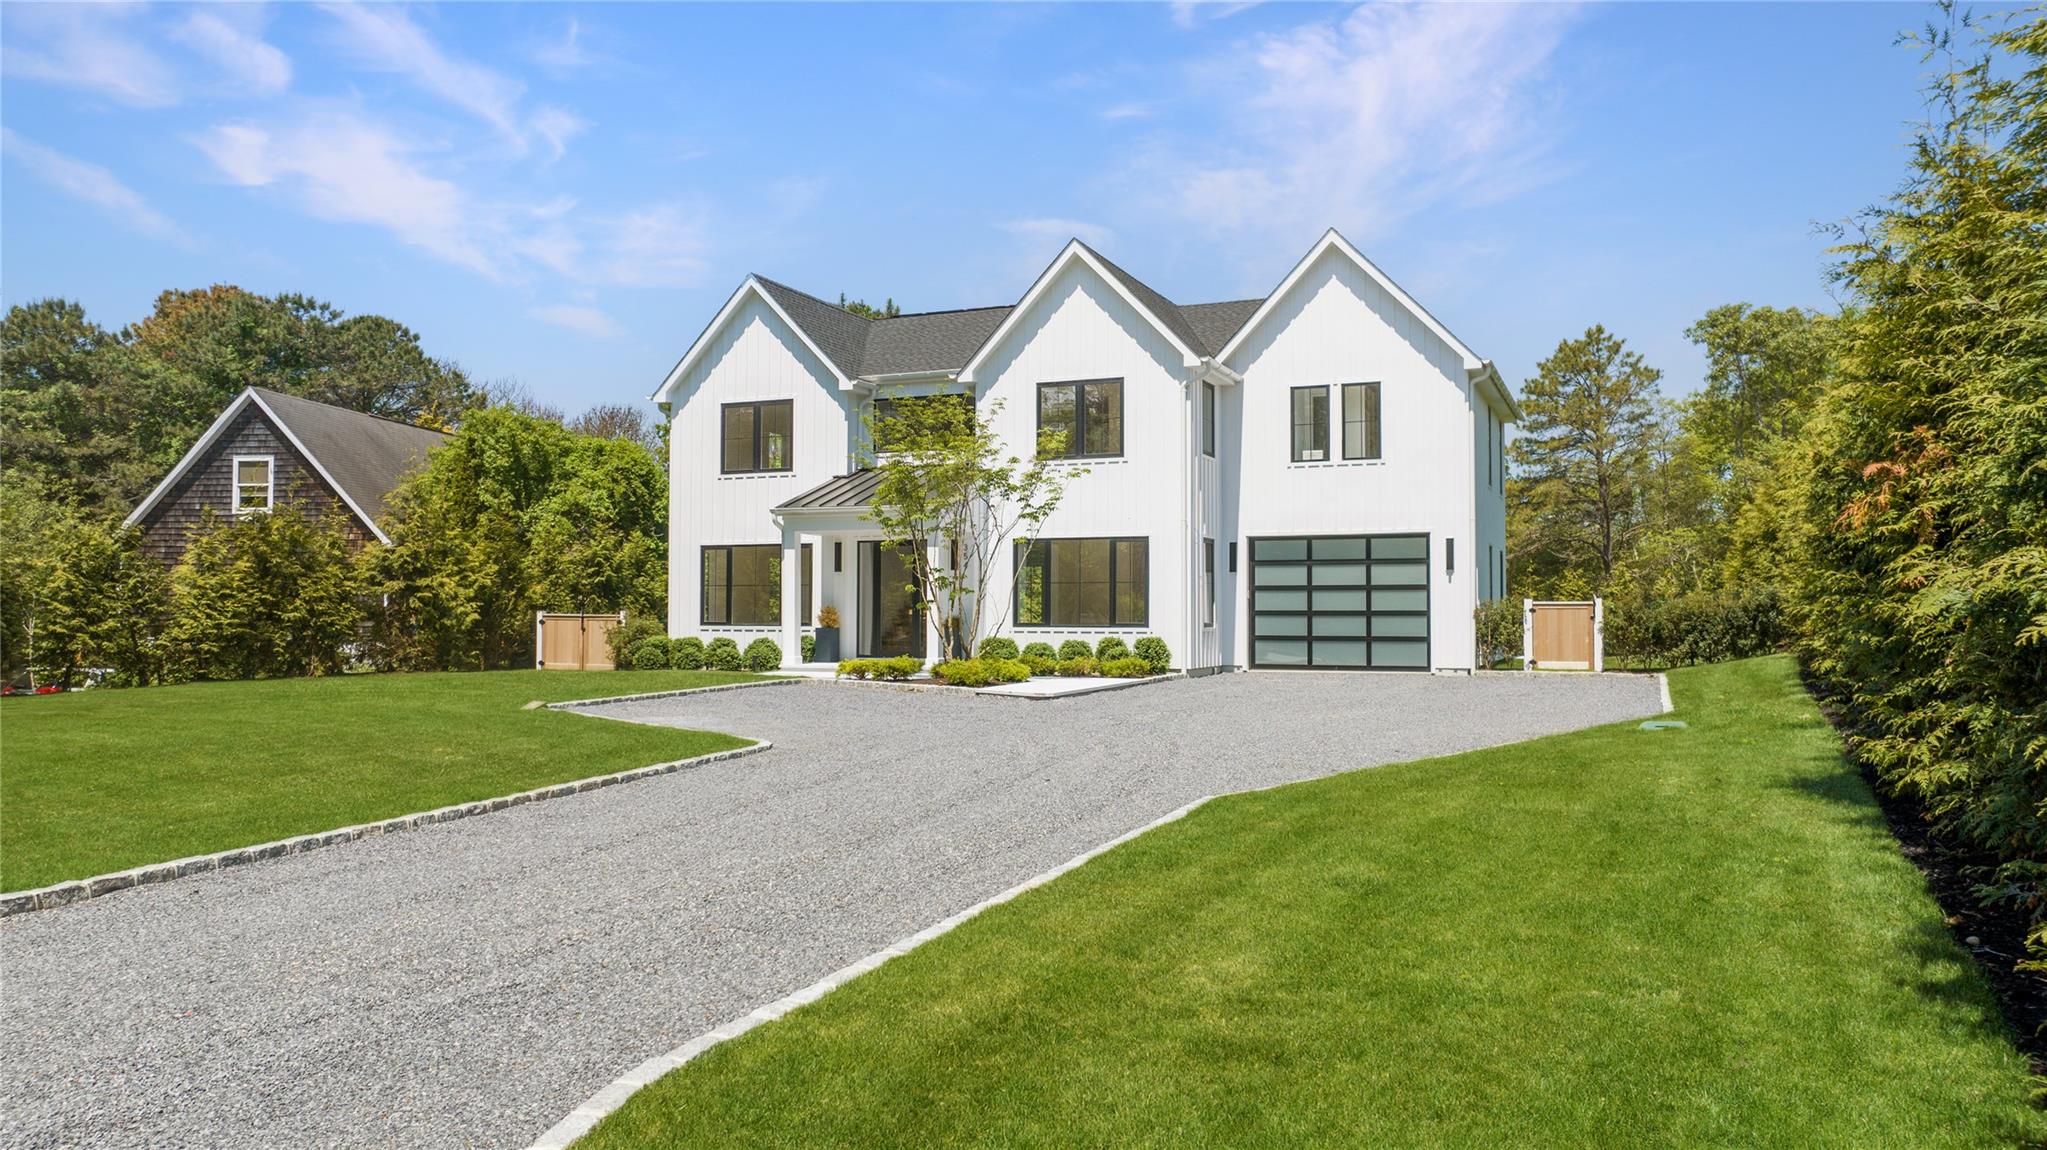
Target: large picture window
{"points": [[759, 436], [1083, 583], [1311, 424], [1087, 414], [1361, 421], [743, 586]]}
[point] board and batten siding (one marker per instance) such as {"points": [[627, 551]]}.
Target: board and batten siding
{"points": [[1080, 328], [755, 357], [1337, 326], [167, 529]]}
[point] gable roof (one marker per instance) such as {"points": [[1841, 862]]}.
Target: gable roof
{"points": [[362, 457]]}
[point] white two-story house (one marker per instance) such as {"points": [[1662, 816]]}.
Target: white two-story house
{"points": [[1312, 480]]}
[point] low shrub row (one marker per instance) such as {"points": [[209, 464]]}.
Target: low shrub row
{"points": [[899, 668], [1699, 627], [1151, 649], [659, 653], [981, 671]]}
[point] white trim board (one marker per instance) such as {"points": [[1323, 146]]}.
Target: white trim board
{"points": [[696, 350], [1074, 250]]}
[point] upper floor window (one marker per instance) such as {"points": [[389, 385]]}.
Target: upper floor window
{"points": [[1311, 424], [255, 483], [759, 436], [1087, 415], [1083, 583], [889, 412], [1208, 419], [1361, 421]]}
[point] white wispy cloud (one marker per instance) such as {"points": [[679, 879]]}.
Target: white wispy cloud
{"points": [[579, 318], [255, 67], [566, 54], [1053, 228], [88, 46], [1127, 110], [383, 38], [1194, 13], [1365, 119], [558, 126], [91, 184]]}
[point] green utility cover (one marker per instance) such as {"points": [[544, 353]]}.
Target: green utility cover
{"points": [[1663, 725]]}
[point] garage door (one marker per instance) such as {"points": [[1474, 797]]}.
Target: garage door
{"points": [[1341, 601]]}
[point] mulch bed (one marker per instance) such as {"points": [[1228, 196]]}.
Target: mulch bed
{"points": [[1995, 935]]}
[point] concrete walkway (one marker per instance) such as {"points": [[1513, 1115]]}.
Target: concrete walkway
{"points": [[468, 984]]}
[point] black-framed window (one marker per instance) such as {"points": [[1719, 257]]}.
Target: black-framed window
{"points": [[758, 436], [886, 410], [1208, 575], [1208, 419], [1083, 583], [1361, 421], [1087, 412], [743, 586], [1311, 424]]}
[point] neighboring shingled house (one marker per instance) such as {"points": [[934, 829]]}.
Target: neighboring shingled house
{"points": [[269, 449]]}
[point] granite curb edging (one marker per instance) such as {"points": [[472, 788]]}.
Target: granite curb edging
{"points": [[644, 696], [78, 890]]}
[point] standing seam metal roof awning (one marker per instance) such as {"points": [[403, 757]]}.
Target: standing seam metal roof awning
{"points": [[839, 493]]}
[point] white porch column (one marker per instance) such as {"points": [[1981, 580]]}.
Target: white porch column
{"points": [[792, 596]]}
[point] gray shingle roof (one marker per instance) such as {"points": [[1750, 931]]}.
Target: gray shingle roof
{"points": [[847, 491], [945, 340], [366, 455]]}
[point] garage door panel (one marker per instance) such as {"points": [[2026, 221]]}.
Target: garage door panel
{"points": [[1341, 602]]}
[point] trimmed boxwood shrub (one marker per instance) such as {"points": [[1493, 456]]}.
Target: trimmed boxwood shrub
{"points": [[997, 647], [630, 634], [763, 654], [651, 654], [1040, 664], [1039, 651], [1075, 649], [1127, 667], [1009, 670], [809, 647], [687, 654], [898, 668], [965, 672], [1155, 653], [1111, 647], [723, 655], [1079, 665]]}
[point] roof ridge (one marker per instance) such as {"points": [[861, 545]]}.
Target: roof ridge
{"points": [[811, 298], [349, 410], [946, 311]]}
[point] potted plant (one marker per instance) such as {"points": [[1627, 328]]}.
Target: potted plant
{"points": [[827, 650]]}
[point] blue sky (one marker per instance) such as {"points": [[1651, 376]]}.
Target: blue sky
{"points": [[563, 196]]}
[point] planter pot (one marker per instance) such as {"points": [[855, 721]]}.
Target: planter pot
{"points": [[827, 649]]}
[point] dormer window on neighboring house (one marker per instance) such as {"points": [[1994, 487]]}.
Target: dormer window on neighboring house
{"points": [[255, 486], [758, 436], [1087, 414]]}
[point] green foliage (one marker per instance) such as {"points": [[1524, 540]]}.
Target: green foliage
{"points": [[1921, 577], [997, 647], [809, 647], [1040, 664], [866, 310], [653, 653], [1126, 667], [687, 654], [1155, 653], [965, 672], [763, 654], [1111, 647], [263, 596], [1497, 629], [628, 635], [1009, 670], [1075, 649], [1699, 627], [723, 655], [898, 668], [1039, 650], [102, 606], [1077, 665]]}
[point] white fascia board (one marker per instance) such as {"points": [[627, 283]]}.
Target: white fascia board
{"points": [[1074, 250], [206, 442], [752, 287], [1486, 373], [1334, 239], [321, 470]]}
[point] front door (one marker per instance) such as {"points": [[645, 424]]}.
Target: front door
{"points": [[898, 613]]}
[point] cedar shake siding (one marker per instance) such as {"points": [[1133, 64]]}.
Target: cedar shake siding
{"points": [[210, 483], [313, 447]]}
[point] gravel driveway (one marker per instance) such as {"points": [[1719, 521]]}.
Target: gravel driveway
{"points": [[470, 983]]}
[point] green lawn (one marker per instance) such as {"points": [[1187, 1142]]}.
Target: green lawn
{"points": [[1616, 938], [103, 780]]}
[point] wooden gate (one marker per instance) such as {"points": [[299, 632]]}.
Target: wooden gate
{"points": [[1563, 636], [573, 642]]}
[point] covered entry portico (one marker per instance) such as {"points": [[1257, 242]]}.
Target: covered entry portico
{"points": [[868, 584]]}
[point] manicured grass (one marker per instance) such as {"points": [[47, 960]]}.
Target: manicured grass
{"points": [[1616, 938], [104, 780]]}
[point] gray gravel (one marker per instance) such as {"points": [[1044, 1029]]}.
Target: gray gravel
{"points": [[469, 984]]}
